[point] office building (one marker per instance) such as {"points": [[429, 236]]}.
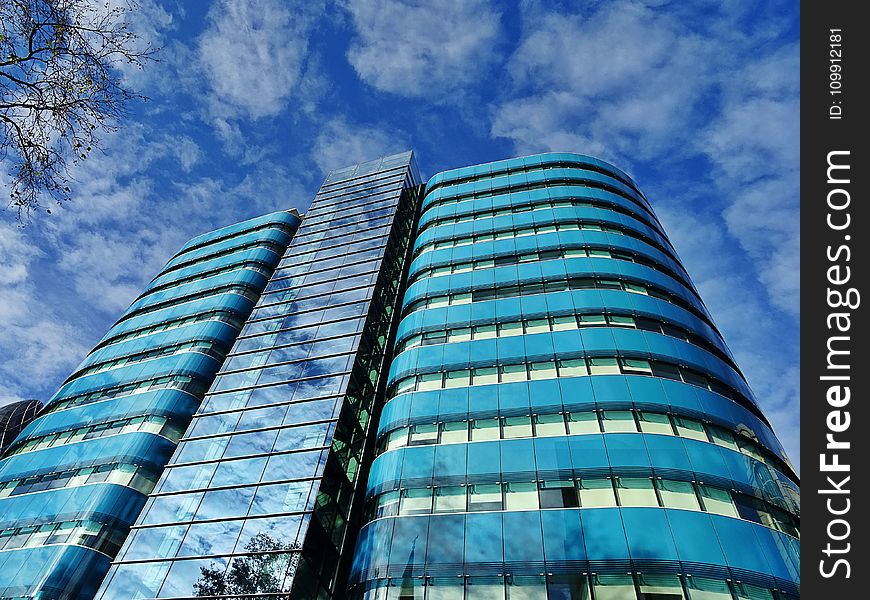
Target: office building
{"points": [[563, 419], [263, 497], [501, 385], [15, 417], [75, 479]]}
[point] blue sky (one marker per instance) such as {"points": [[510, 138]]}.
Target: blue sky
{"points": [[253, 101]]}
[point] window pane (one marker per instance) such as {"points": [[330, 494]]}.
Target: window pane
{"points": [[454, 431], [485, 375], [613, 587], [450, 498], [564, 323], [459, 335], [717, 501], [596, 492], [485, 588], [549, 425], [388, 504], [636, 491], [416, 502], [484, 332], [585, 422], [527, 588], [558, 494], [618, 420], [458, 379], [517, 427], [660, 587], [678, 494], [690, 428], [484, 429], [424, 434], [397, 438], [484, 497], [521, 496], [723, 437], [655, 423], [572, 368], [752, 592], [603, 366], [542, 370], [567, 587], [429, 381], [701, 588], [537, 326], [513, 373]]}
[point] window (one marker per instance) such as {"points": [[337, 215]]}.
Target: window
{"points": [[717, 501], [397, 438], [636, 491], [655, 423], [517, 427], [613, 587], [537, 326], [454, 431], [723, 437], [572, 368], [459, 335], [585, 422], [690, 428], [751, 592], [564, 323], [388, 505], [596, 492], [510, 329], [603, 366], [558, 494], [458, 379], [637, 367], [483, 332], [701, 588], [484, 497], [416, 501], [618, 420], [521, 496], [549, 425], [678, 494], [450, 498], [406, 385], [423, 434], [542, 370], [592, 320], [660, 587], [485, 375], [484, 429], [429, 381], [513, 373]]}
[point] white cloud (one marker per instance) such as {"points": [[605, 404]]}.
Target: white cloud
{"points": [[254, 55], [436, 48], [341, 144]]}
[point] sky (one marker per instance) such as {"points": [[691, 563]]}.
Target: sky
{"points": [[253, 101]]}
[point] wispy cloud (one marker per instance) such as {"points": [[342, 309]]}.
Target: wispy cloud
{"points": [[436, 48], [341, 143], [254, 55]]}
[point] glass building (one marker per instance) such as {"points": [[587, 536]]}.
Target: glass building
{"points": [[563, 420], [263, 497], [74, 481], [501, 385], [15, 417]]}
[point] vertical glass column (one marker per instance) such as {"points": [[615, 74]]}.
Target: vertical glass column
{"points": [[261, 497]]}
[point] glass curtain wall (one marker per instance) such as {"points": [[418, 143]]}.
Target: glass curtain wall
{"points": [[73, 482], [563, 418], [261, 496]]}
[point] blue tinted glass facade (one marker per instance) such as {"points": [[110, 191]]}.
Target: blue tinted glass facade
{"points": [[563, 419], [263, 496], [75, 479]]}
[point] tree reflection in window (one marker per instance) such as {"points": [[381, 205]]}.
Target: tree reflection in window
{"points": [[265, 571]]}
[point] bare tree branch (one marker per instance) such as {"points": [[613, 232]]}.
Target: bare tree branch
{"points": [[61, 89]]}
